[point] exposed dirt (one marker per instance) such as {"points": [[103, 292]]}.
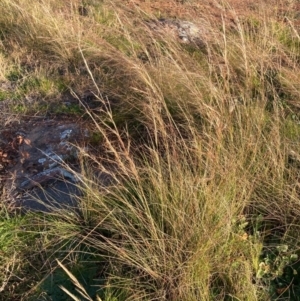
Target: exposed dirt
{"points": [[220, 11]]}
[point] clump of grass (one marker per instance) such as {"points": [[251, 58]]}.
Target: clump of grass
{"points": [[196, 146], [20, 252]]}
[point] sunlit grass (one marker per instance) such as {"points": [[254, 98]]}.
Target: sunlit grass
{"points": [[200, 147]]}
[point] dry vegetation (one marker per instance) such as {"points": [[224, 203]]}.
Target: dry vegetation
{"points": [[205, 203]]}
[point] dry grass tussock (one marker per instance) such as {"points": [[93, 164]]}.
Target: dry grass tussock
{"points": [[204, 140]]}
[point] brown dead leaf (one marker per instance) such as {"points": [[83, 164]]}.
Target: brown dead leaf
{"points": [[19, 139], [27, 141], [24, 154]]}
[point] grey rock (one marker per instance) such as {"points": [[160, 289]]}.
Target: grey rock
{"points": [[46, 175], [45, 156], [186, 31], [56, 196]]}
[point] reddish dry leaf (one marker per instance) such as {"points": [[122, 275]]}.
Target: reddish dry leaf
{"points": [[27, 141]]}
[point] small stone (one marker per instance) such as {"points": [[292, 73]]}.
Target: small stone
{"points": [[65, 134], [42, 160]]}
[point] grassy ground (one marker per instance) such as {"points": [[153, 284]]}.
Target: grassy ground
{"points": [[205, 203]]}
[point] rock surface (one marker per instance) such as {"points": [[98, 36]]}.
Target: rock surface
{"points": [[187, 32], [38, 163]]}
